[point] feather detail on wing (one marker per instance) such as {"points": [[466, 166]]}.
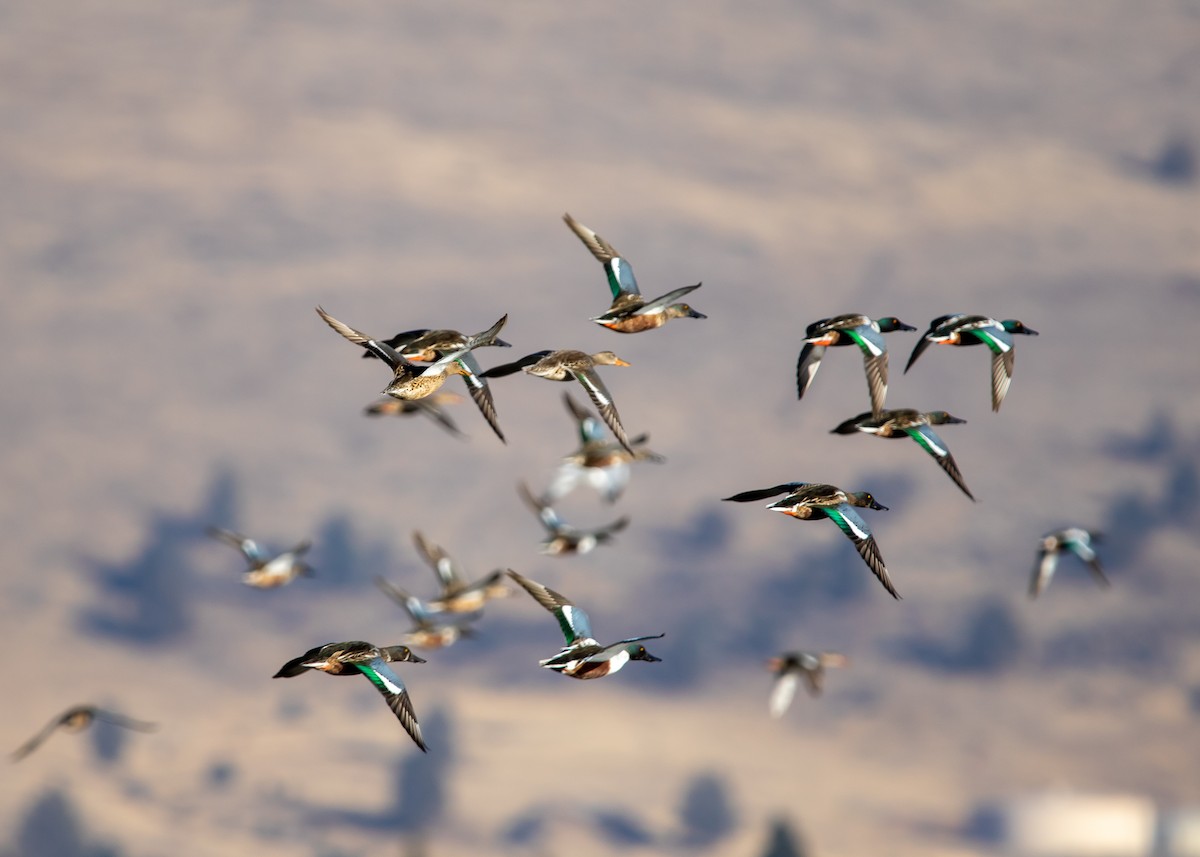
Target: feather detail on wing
{"points": [[1002, 368], [807, 366], [481, 394], [393, 690], [933, 444], [573, 621], [856, 530], [604, 404]]}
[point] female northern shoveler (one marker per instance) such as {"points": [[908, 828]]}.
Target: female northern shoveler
{"points": [[583, 657], [411, 381], [630, 312], [567, 365], [431, 629], [1074, 539], [906, 422], [458, 596], [426, 346], [266, 571], [356, 656], [790, 667], [814, 501], [75, 719], [561, 537], [429, 346], [431, 406], [973, 330], [598, 462], [851, 329]]}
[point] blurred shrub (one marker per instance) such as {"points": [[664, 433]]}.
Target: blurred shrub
{"points": [[705, 816], [52, 827], [782, 841], [990, 642]]}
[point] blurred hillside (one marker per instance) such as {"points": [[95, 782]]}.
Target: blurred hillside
{"points": [[183, 183]]}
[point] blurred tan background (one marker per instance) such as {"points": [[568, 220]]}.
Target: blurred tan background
{"points": [[181, 183]]}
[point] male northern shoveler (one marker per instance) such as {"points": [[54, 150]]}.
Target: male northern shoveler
{"points": [[409, 380], [630, 312], [431, 406], [431, 629], [458, 596], [77, 718], [906, 422], [814, 501], [790, 667], [583, 657], [851, 329], [1074, 539], [972, 330], [567, 365], [356, 656], [429, 346], [562, 538], [598, 462], [266, 571]]}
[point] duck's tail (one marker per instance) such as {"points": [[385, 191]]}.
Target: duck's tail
{"points": [[292, 668]]}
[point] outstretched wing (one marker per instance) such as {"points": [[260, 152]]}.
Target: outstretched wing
{"points": [[635, 640], [1083, 550], [487, 337], [855, 528], [783, 691], [602, 399], [546, 514], [38, 739], [572, 620], [377, 347], [250, 549], [620, 275], [1043, 571], [764, 493], [875, 361], [481, 395], [807, 366], [442, 564], [433, 410], [927, 337], [514, 367], [1002, 369], [413, 606], [123, 721], [664, 301], [931, 443], [615, 527], [589, 427], [393, 690]]}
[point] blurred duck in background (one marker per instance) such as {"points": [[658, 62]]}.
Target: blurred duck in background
{"points": [[598, 462], [76, 719], [266, 570], [790, 667], [1074, 540], [562, 538]]}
